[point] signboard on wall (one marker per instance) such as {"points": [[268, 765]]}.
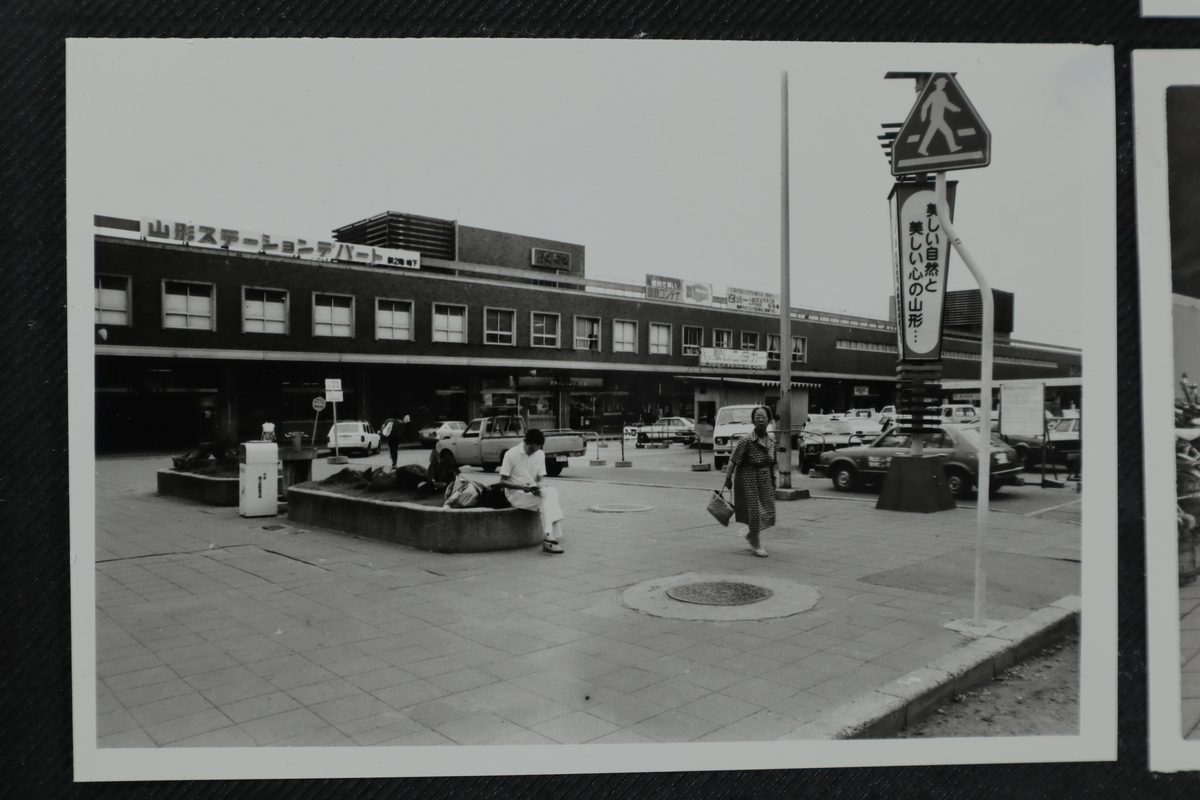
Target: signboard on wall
{"points": [[920, 264], [676, 290], [750, 300], [239, 240], [724, 357], [550, 259]]}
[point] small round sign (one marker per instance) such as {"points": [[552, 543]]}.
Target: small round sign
{"points": [[318, 403]]}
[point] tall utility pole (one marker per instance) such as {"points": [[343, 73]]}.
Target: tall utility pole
{"points": [[784, 427]]}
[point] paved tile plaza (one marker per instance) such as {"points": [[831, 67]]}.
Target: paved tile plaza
{"points": [[218, 630]]}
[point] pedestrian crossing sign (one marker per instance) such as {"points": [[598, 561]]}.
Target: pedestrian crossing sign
{"points": [[943, 131]]}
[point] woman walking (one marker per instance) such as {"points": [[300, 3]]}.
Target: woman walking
{"points": [[751, 472]]}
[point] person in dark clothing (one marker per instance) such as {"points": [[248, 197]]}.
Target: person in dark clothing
{"points": [[392, 430], [751, 472]]}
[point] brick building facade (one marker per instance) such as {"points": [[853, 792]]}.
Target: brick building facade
{"points": [[202, 344]]}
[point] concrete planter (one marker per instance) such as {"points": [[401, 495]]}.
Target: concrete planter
{"points": [[200, 488], [442, 530]]}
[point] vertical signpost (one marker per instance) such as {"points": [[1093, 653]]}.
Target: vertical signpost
{"points": [[944, 132], [333, 393], [318, 405], [784, 428]]}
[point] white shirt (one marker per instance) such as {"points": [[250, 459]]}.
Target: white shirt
{"points": [[521, 467]]}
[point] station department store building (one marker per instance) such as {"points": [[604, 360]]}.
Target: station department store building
{"points": [[203, 333]]}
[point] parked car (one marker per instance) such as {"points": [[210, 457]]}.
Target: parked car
{"points": [[866, 422], [958, 414], [822, 435], [1064, 443], [732, 423], [486, 439], [667, 429], [434, 432], [354, 434], [957, 444], [887, 417]]}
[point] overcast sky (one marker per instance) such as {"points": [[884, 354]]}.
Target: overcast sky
{"points": [[658, 157]]}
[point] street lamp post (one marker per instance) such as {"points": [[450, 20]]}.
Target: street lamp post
{"points": [[784, 429]]}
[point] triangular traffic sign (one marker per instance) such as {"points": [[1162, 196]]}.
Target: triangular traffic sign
{"points": [[943, 131]]}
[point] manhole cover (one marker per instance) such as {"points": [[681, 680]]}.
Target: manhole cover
{"points": [[719, 593], [785, 533], [619, 508], [273, 527]]}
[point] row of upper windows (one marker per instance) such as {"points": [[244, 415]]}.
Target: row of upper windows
{"points": [[192, 306]]}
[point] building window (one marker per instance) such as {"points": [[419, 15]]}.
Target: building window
{"points": [[112, 300], [773, 346], [587, 333], [449, 323], [393, 319], [188, 305], [1075, 370], [660, 339], [499, 326], [544, 329], [264, 310], [333, 315], [624, 336], [749, 340], [723, 339], [799, 349], [693, 340]]}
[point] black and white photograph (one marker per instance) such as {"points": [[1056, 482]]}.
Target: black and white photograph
{"points": [[487, 407], [1167, 97]]}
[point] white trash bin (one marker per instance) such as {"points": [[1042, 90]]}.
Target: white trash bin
{"points": [[258, 479]]}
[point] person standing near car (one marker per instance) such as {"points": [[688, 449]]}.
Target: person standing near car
{"points": [[393, 428], [751, 472], [521, 476]]}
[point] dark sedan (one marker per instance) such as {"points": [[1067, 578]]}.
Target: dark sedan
{"points": [[821, 436], [958, 445], [1064, 443]]}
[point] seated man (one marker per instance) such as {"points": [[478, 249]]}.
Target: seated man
{"points": [[521, 476]]}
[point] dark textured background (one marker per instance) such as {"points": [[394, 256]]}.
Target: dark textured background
{"points": [[35, 701]]}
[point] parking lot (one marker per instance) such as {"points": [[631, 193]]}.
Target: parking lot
{"points": [[672, 465]]}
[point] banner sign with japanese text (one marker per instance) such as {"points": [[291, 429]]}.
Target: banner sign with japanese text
{"points": [[678, 291], [750, 300], [725, 357], [244, 241], [920, 261]]}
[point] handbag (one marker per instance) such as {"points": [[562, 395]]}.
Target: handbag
{"points": [[720, 508]]}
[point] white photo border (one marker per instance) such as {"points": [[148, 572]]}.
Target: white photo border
{"points": [[1097, 737], [1153, 72]]}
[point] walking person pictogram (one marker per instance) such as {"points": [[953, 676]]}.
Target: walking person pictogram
{"points": [[935, 108]]}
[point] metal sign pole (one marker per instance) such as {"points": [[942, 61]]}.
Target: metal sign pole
{"points": [[985, 398], [784, 431], [336, 454]]}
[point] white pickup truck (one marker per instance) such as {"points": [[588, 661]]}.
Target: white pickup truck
{"points": [[486, 439]]}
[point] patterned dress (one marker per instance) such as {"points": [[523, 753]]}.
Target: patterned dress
{"points": [[754, 483]]}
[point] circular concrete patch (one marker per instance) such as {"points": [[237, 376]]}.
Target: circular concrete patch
{"points": [[719, 593], [787, 598], [619, 508]]}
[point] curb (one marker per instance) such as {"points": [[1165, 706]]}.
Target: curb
{"points": [[908, 699]]}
